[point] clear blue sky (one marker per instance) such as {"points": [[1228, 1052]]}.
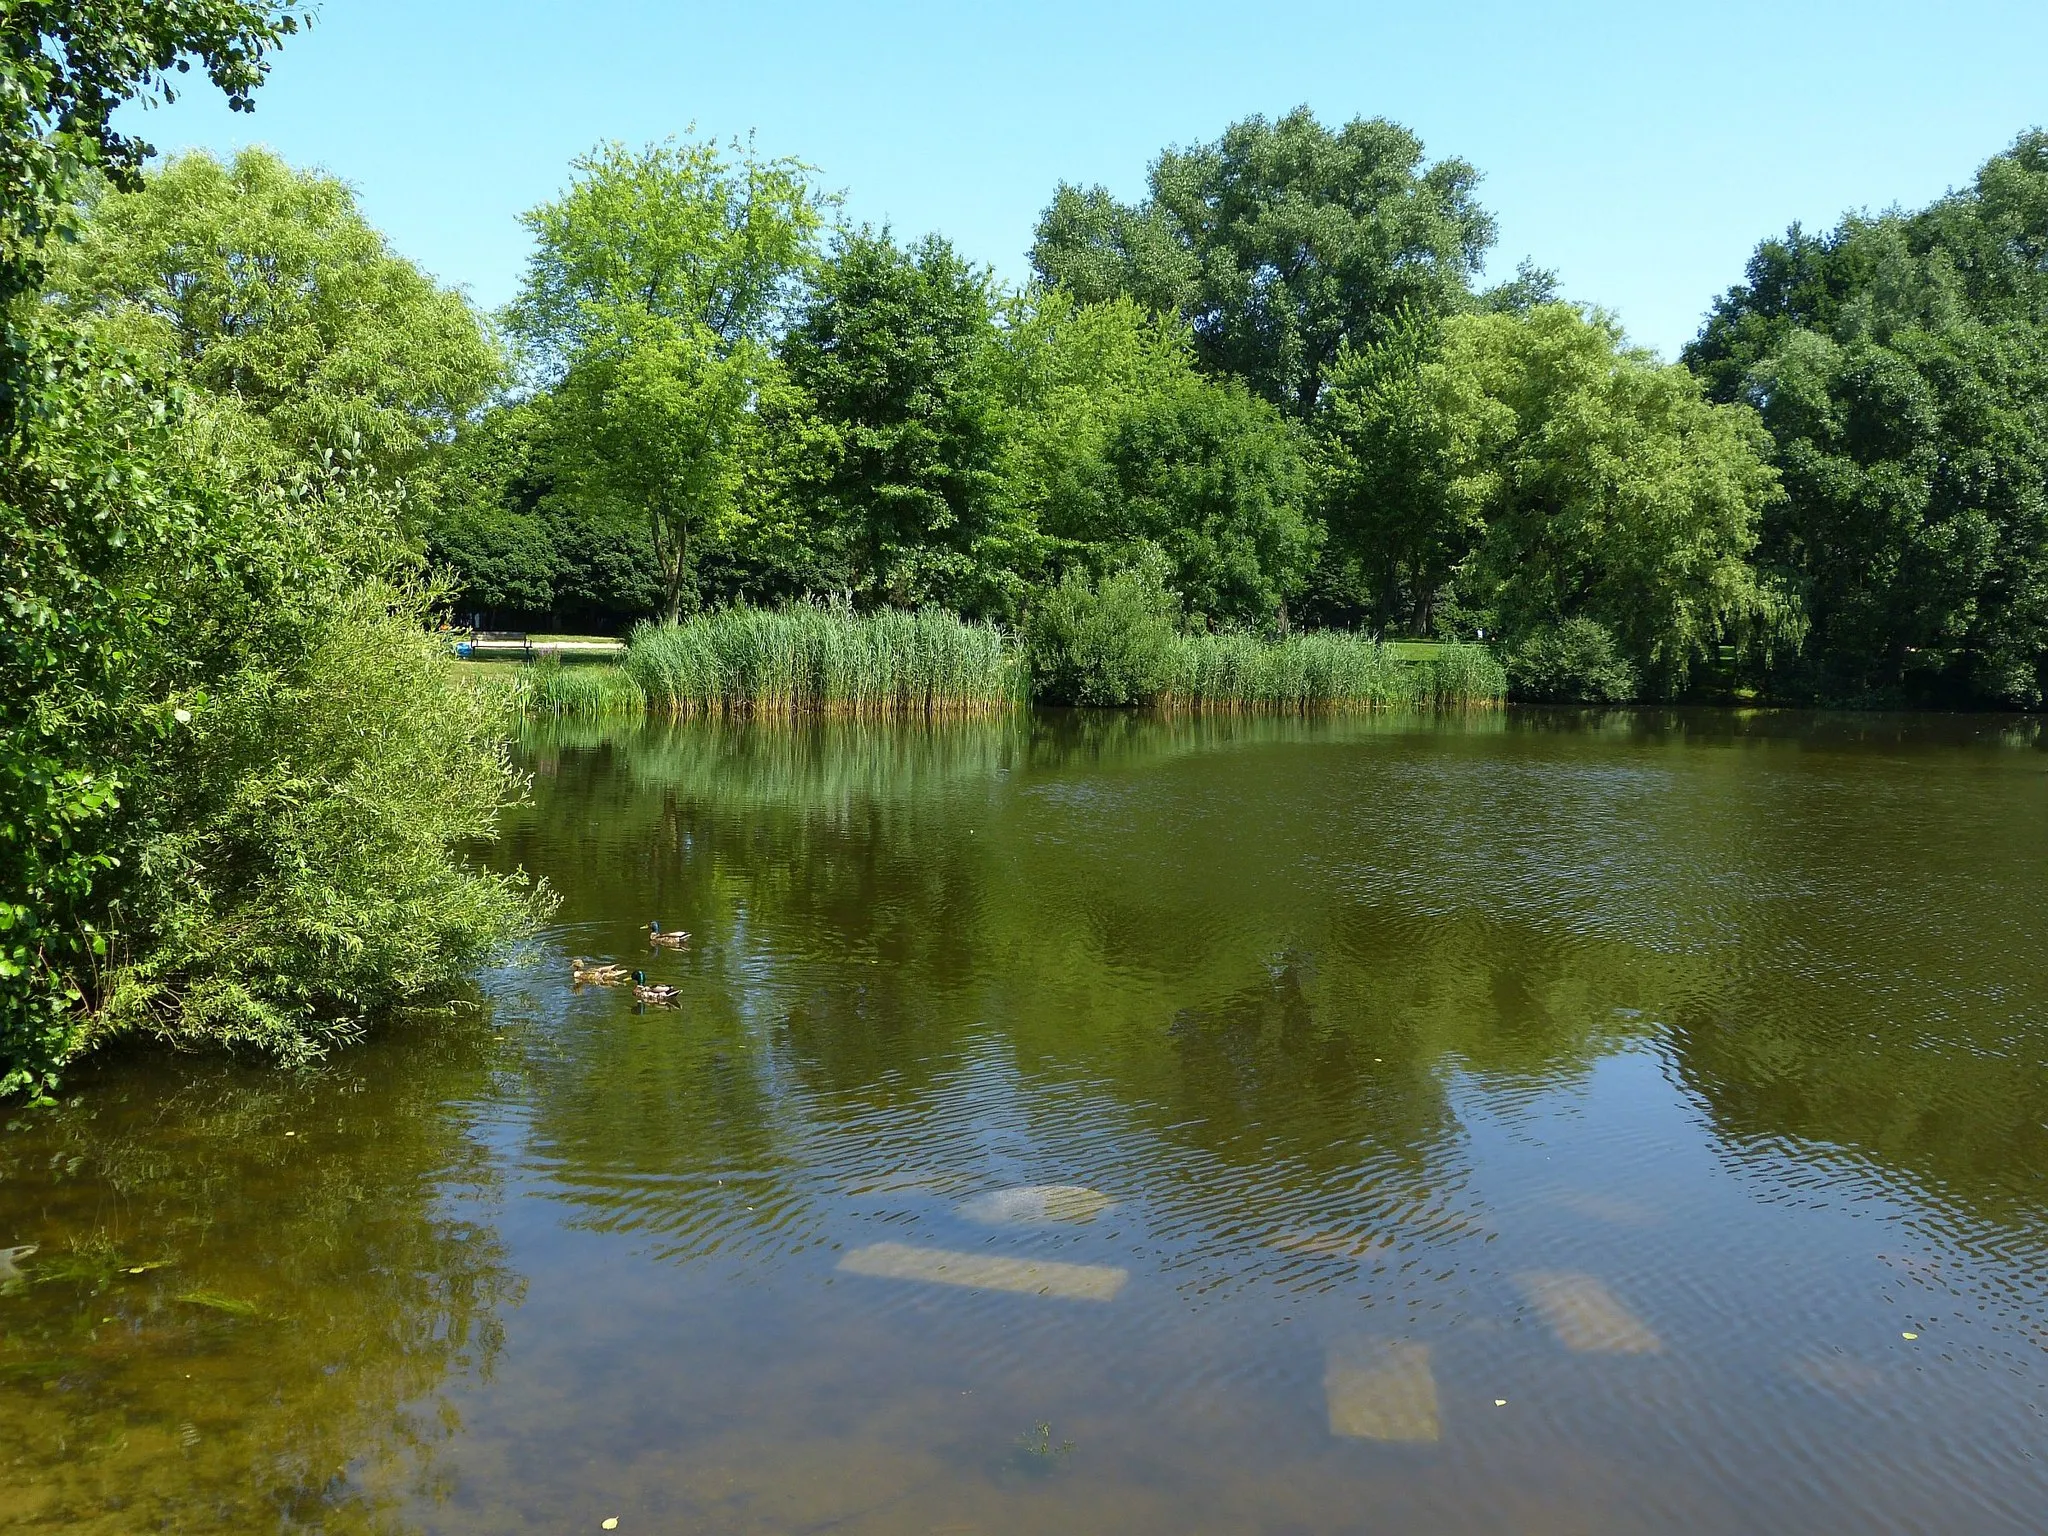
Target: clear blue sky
{"points": [[1641, 149]]}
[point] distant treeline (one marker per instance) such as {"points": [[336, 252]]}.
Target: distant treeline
{"points": [[1276, 380]]}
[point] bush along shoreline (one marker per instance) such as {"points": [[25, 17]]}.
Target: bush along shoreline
{"points": [[807, 660]]}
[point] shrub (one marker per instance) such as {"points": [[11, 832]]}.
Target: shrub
{"points": [[235, 771], [1113, 641], [1116, 643], [1575, 662], [304, 876]]}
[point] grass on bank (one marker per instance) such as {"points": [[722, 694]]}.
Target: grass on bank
{"points": [[806, 660], [810, 660], [1324, 670]]}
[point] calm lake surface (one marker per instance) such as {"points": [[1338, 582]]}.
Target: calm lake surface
{"points": [[1526, 1122]]}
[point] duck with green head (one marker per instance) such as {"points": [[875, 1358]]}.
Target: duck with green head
{"points": [[663, 938], [653, 991]]}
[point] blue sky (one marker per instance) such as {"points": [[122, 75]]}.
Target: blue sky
{"points": [[1639, 149]]}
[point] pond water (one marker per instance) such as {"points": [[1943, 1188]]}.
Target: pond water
{"points": [[1533, 1122]]}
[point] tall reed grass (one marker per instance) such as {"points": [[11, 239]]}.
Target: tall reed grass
{"points": [[1323, 670], [553, 687], [807, 659]]}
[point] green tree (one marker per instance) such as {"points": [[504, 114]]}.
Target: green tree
{"points": [[1116, 445], [1213, 477], [657, 283], [1066, 372], [74, 520], [269, 290], [234, 770], [1901, 366], [1278, 243], [1395, 532], [895, 347], [65, 67], [1584, 480]]}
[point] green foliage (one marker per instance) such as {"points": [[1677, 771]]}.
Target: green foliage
{"points": [[1108, 641], [1116, 445], [553, 687], [1212, 476], [65, 67], [203, 840], [230, 793], [97, 514], [1560, 475], [894, 349], [1118, 641], [266, 287], [1278, 243], [1901, 366], [516, 544], [808, 658], [1575, 662], [656, 282], [301, 876], [1396, 533]]}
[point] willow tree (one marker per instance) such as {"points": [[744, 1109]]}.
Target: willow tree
{"points": [[265, 287], [657, 284], [1547, 474]]}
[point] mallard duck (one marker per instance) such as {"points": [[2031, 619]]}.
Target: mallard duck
{"points": [[595, 973], [656, 934], [653, 991]]}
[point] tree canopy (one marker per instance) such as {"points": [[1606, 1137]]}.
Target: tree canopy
{"points": [[895, 350], [656, 284], [266, 288], [1554, 474], [1900, 364], [1278, 243]]}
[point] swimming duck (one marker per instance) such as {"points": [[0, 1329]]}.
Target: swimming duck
{"points": [[653, 991], [656, 934], [595, 973]]}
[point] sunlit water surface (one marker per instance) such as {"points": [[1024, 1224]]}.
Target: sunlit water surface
{"points": [[1537, 1123]]}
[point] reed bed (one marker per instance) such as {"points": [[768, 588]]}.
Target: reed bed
{"points": [[1324, 670], [593, 689], [820, 660]]}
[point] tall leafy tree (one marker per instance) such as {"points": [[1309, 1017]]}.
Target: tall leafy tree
{"points": [[266, 287], [66, 66], [1396, 532], [896, 349], [1278, 243], [1901, 365], [73, 520], [658, 282], [1213, 477], [1559, 475]]}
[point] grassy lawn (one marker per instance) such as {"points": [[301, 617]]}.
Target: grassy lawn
{"points": [[1412, 650]]}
